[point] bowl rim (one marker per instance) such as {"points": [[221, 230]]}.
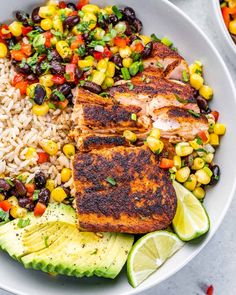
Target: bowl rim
{"points": [[220, 21], [233, 189]]}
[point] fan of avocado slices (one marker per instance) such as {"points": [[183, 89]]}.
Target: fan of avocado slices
{"points": [[53, 244]]}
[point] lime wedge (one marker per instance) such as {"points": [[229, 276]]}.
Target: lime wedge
{"points": [[149, 253], [191, 219]]}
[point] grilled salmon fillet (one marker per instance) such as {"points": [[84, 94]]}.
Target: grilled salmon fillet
{"points": [[122, 189], [179, 124], [169, 60]]}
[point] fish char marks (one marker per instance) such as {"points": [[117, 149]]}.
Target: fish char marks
{"points": [[140, 199]]}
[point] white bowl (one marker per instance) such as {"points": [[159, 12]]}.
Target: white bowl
{"points": [[164, 19], [222, 30]]}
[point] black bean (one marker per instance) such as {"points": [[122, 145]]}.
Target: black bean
{"points": [[128, 30], [66, 189], [19, 188], [93, 87], [25, 69], [11, 42], [133, 38], [116, 58], [35, 15], [39, 29], [137, 25], [216, 174], [56, 56], [113, 19], [22, 17], [78, 73], [26, 203], [38, 69], [90, 51], [57, 68], [4, 185], [65, 89], [40, 180], [188, 161], [147, 50], [71, 21], [14, 62], [70, 98], [44, 196], [202, 103], [32, 78], [71, 6], [39, 94], [129, 13]]}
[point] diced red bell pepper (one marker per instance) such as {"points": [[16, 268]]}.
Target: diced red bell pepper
{"points": [[30, 187], [70, 72], [137, 46], [75, 59], [42, 57], [26, 30], [17, 78], [58, 79], [121, 42], [226, 12], [77, 42], [22, 85], [81, 3], [216, 115], [5, 205], [42, 157], [62, 104], [48, 36], [26, 49], [203, 136], [2, 33], [39, 209], [100, 55], [62, 4], [210, 290], [73, 13], [166, 163], [17, 55]]}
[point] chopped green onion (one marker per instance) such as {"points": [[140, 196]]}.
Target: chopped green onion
{"points": [[134, 68], [23, 222], [180, 99], [160, 65], [51, 106], [155, 39], [4, 215], [125, 73], [134, 117], [117, 12], [198, 140], [59, 95], [9, 182], [131, 86], [196, 115], [185, 76], [36, 195], [166, 41], [46, 241], [111, 180]]}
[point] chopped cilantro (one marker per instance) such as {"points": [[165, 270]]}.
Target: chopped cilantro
{"points": [[4, 216], [196, 115], [81, 51], [117, 12], [81, 82], [23, 63], [136, 56], [96, 43], [111, 180], [51, 106], [15, 47], [33, 34], [31, 61], [36, 195], [23, 222], [67, 76], [198, 140], [57, 34], [160, 65]]}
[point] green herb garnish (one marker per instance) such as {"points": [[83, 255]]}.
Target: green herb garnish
{"points": [[160, 65], [59, 95], [125, 73], [4, 216], [67, 76], [36, 195], [46, 241], [134, 117], [198, 140], [81, 51], [180, 99], [117, 12], [111, 181], [131, 86], [104, 94], [155, 38], [51, 106], [23, 222], [196, 115], [9, 182], [15, 47], [185, 76]]}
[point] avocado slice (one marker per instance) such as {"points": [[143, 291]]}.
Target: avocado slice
{"points": [[53, 243]]}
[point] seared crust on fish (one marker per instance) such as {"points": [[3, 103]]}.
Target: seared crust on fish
{"points": [[139, 199]]}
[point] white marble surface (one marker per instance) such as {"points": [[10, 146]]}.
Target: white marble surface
{"points": [[216, 264]]}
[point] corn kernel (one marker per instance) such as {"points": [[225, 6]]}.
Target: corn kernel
{"points": [[98, 77], [16, 29], [48, 92], [53, 41], [90, 18], [2, 197], [125, 52], [13, 201], [156, 133], [63, 49], [31, 152], [30, 90], [3, 50], [83, 63], [46, 80], [57, 24], [40, 110], [208, 158], [145, 39], [47, 11], [99, 33], [65, 174], [202, 176], [198, 163], [130, 136], [108, 9], [108, 82], [195, 145], [232, 27], [102, 65], [155, 145], [50, 185], [199, 192], [58, 194], [46, 24], [182, 174], [195, 68], [127, 62], [18, 212], [69, 150], [183, 149], [49, 146], [196, 81], [177, 162], [114, 49], [219, 129], [91, 8], [214, 139], [191, 182], [206, 92], [111, 67]]}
